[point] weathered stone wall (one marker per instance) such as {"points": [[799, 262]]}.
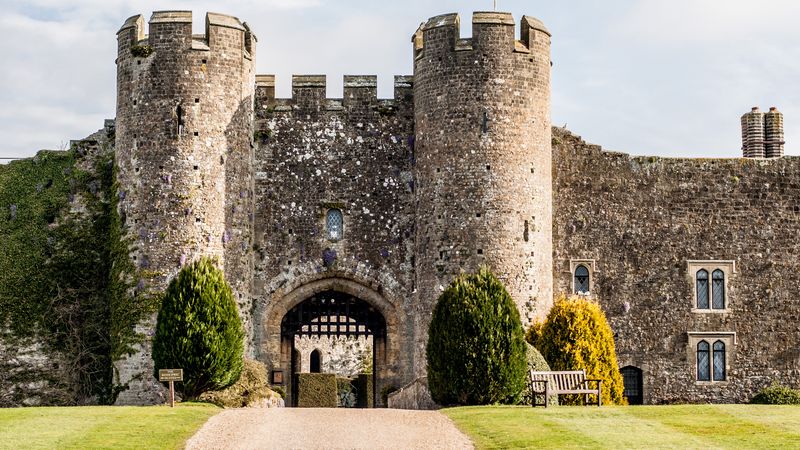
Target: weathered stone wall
{"points": [[483, 160], [343, 356], [184, 132], [315, 154], [640, 220], [415, 396]]}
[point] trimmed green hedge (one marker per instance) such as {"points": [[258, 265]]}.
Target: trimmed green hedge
{"points": [[364, 393], [199, 330], [777, 395], [316, 390], [476, 346]]}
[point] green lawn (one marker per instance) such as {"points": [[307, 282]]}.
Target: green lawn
{"points": [[685, 426], [117, 427]]}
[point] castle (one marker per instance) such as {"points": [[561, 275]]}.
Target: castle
{"points": [[348, 217]]}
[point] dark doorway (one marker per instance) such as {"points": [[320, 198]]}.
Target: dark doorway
{"points": [[333, 314], [316, 362], [632, 379]]}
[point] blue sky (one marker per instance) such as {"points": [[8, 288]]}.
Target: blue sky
{"points": [[647, 77]]}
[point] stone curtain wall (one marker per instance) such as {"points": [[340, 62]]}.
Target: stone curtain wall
{"points": [[314, 154], [641, 219]]}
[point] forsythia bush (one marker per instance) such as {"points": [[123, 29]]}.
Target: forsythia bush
{"points": [[476, 348], [199, 330], [576, 335]]}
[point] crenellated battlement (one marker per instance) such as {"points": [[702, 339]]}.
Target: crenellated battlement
{"points": [[172, 30], [309, 92], [490, 29]]}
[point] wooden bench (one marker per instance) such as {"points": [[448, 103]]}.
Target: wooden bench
{"points": [[563, 383]]}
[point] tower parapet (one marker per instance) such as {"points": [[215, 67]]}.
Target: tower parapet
{"points": [[184, 159], [484, 157]]}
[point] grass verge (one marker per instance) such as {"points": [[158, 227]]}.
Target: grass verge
{"points": [[118, 427], [683, 426]]}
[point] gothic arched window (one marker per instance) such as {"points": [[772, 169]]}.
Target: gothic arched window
{"points": [[581, 280], [718, 289], [334, 224], [702, 289], [719, 361], [703, 361]]}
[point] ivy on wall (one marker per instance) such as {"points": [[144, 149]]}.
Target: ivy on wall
{"points": [[66, 277]]}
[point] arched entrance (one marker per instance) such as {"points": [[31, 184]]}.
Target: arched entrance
{"points": [[333, 313]]}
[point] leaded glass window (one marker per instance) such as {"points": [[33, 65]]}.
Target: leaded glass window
{"points": [[718, 289], [334, 224], [702, 289], [703, 362], [719, 361], [581, 280]]}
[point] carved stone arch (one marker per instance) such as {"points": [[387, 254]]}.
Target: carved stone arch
{"points": [[275, 350]]}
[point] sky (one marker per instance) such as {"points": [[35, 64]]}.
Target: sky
{"points": [[646, 77]]}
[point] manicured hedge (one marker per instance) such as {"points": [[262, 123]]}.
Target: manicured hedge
{"points": [[777, 395], [199, 330], [476, 346], [365, 397], [316, 390]]}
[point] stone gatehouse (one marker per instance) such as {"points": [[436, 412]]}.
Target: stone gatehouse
{"points": [[347, 217]]}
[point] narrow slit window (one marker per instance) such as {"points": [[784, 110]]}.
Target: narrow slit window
{"points": [[581, 280], [703, 361], [334, 223], [718, 289], [719, 361], [702, 289]]}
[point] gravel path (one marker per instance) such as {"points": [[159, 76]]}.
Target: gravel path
{"points": [[292, 428]]}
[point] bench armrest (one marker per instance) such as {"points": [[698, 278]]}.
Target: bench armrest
{"points": [[592, 380]]}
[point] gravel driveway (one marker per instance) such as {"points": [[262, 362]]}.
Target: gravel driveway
{"points": [[252, 428]]}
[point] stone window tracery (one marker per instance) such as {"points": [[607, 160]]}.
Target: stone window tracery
{"points": [[702, 289], [710, 285], [703, 361], [334, 224], [711, 352], [719, 361]]}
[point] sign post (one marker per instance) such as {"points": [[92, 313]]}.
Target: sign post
{"points": [[171, 375]]}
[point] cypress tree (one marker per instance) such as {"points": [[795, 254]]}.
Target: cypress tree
{"points": [[199, 330], [476, 349]]}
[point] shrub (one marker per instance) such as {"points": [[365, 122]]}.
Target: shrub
{"points": [[777, 395], [279, 390], [476, 346], [316, 390], [576, 335], [386, 392], [345, 395], [250, 390], [199, 330], [537, 363], [364, 391]]}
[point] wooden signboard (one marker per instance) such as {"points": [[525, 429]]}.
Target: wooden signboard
{"points": [[165, 375], [171, 375]]}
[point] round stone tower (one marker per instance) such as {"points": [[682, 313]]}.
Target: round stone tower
{"points": [[184, 160], [483, 160]]}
